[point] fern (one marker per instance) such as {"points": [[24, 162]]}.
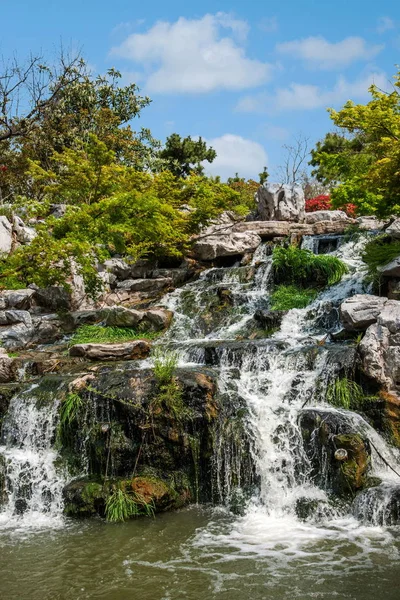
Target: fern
{"points": [[70, 409], [344, 393], [301, 267]]}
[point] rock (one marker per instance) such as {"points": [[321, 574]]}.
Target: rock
{"points": [[361, 310], [225, 244], [11, 317], [370, 223], [372, 349], [325, 215], [124, 351], [118, 316], [379, 505], [394, 229], [274, 229], [326, 431], [145, 285], [18, 299], [159, 318], [54, 298], [390, 316], [58, 210], [8, 368], [391, 269], [24, 234], [270, 319], [118, 267], [6, 238], [394, 289], [280, 202]]}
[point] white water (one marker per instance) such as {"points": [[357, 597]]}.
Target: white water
{"points": [[33, 485], [276, 381]]}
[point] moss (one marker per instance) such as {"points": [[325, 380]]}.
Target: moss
{"points": [[354, 469]]}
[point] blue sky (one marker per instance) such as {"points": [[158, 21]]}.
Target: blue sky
{"points": [[247, 76]]}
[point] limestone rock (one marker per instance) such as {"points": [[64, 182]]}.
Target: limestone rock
{"points": [[118, 267], [18, 299], [370, 223], [391, 269], [7, 367], [159, 318], [54, 298], [124, 351], [325, 215], [225, 244], [24, 234], [11, 317], [145, 285], [5, 235], [394, 229], [373, 348], [119, 316], [361, 310], [280, 202]]}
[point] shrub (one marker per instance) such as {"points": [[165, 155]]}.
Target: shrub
{"points": [[165, 363], [320, 202], [121, 505], [344, 393], [286, 297], [301, 267], [378, 252]]}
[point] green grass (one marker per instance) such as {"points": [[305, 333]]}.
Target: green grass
{"points": [[70, 408], [301, 267], [122, 505], [344, 393], [165, 364], [286, 297], [379, 252], [87, 334]]}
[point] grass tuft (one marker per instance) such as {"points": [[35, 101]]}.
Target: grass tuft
{"points": [[87, 334], [122, 505], [286, 297], [344, 393]]}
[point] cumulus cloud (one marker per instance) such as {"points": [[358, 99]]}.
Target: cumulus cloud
{"points": [[308, 97], [318, 53], [236, 154], [385, 24], [195, 55]]}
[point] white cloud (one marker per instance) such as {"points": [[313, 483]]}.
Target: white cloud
{"points": [[318, 53], [236, 154], [193, 55], [308, 97], [385, 24]]}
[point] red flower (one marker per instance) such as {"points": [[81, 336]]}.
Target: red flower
{"points": [[3, 168], [320, 202]]}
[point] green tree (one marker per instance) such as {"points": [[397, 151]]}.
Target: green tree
{"points": [[263, 176], [363, 159], [183, 156]]}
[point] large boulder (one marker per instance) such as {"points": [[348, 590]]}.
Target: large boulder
{"points": [[370, 223], [24, 234], [145, 285], [17, 299], [135, 349], [119, 316], [391, 269], [225, 244], [280, 202], [360, 311], [6, 235], [326, 215], [394, 229]]}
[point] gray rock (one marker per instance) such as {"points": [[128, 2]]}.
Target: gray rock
{"points": [[394, 289], [19, 299], [8, 368], [225, 244], [118, 267], [145, 285], [391, 269], [5, 235], [54, 298], [390, 316], [370, 223], [119, 316], [394, 229], [159, 318], [127, 350], [24, 234], [58, 210], [361, 310], [280, 202], [11, 317], [325, 215], [372, 350]]}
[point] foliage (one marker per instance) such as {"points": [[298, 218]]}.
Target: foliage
{"points": [[165, 364], [380, 251], [364, 156], [246, 190], [70, 409], [286, 297], [263, 176], [87, 334], [295, 266], [183, 156], [323, 202], [344, 393], [121, 505]]}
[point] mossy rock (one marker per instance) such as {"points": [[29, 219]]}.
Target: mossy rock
{"points": [[354, 469]]}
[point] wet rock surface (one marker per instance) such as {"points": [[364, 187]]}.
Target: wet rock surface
{"points": [[126, 350]]}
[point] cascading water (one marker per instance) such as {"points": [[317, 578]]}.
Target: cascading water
{"points": [[32, 483], [277, 378]]}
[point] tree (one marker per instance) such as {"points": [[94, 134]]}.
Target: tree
{"points": [[292, 171], [263, 176], [364, 158], [182, 156]]}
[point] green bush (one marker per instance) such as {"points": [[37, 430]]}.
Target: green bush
{"points": [[87, 334], [378, 252], [286, 297], [301, 267], [165, 363], [344, 393]]}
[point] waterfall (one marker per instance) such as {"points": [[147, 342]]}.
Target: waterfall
{"points": [[276, 378], [32, 483]]}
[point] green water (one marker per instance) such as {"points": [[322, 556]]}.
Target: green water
{"points": [[197, 554]]}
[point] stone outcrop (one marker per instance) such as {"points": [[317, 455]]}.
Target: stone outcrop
{"points": [[277, 202], [7, 367], [394, 229], [135, 349], [6, 237], [145, 285], [360, 311], [225, 243], [370, 223], [391, 269], [325, 215], [23, 233]]}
